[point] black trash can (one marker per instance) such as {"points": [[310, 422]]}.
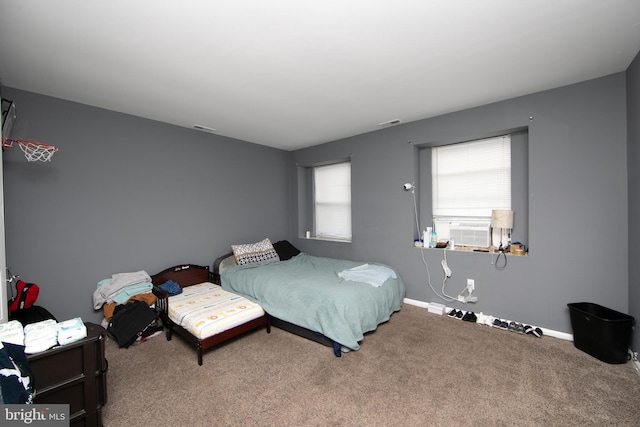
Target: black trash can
{"points": [[601, 332]]}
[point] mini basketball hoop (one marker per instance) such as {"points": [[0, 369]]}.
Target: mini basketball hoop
{"points": [[33, 151]]}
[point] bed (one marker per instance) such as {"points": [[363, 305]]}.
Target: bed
{"points": [[305, 294], [203, 313]]}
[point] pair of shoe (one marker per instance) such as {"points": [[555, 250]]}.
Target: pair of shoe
{"points": [[500, 324], [484, 319], [516, 327], [532, 330], [470, 317], [456, 314]]}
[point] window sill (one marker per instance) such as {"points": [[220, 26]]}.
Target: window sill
{"points": [[326, 239], [475, 249]]}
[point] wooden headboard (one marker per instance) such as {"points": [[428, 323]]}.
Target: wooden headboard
{"points": [[220, 264], [184, 275]]}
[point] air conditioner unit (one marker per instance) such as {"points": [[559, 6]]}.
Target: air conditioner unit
{"points": [[471, 233]]}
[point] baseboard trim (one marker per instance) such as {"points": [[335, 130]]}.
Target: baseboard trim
{"points": [[548, 332]]}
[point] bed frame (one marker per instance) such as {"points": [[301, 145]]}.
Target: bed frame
{"points": [[186, 275], [225, 261]]}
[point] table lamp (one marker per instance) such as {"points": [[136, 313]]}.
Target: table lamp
{"points": [[502, 219]]}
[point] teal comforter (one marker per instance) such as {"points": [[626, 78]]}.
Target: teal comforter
{"points": [[306, 291]]}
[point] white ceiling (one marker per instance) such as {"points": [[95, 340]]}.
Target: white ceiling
{"points": [[293, 73]]}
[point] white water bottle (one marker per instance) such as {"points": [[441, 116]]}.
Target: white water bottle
{"points": [[426, 237]]}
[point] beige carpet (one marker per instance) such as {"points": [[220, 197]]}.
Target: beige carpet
{"points": [[418, 369]]}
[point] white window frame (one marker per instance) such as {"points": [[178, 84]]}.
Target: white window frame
{"points": [[332, 201], [469, 180]]}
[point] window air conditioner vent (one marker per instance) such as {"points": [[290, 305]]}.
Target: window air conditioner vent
{"points": [[471, 233]]}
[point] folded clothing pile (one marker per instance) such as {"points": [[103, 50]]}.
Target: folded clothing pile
{"points": [[40, 336], [120, 287], [71, 330], [12, 332]]}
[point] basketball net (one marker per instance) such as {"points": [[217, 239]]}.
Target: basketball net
{"points": [[33, 151]]}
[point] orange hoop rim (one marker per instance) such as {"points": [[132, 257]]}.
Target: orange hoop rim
{"points": [[8, 142], [33, 151]]}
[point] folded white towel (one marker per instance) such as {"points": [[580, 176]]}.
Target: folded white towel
{"points": [[373, 274]]}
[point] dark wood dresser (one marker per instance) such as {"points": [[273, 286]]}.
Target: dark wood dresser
{"points": [[75, 374]]}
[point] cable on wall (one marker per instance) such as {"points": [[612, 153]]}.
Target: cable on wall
{"points": [[411, 187]]}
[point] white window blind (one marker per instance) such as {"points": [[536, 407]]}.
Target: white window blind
{"points": [[332, 201], [471, 178]]}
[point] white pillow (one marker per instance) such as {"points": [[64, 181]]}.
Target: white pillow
{"points": [[261, 252]]}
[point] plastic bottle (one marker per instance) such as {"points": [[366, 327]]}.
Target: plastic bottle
{"points": [[426, 237], [434, 239]]}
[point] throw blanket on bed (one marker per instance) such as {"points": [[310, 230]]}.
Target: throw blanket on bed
{"points": [[375, 275], [307, 292]]}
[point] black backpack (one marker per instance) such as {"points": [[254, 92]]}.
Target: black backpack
{"points": [[130, 321]]}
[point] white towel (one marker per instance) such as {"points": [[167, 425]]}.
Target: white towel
{"points": [[373, 274]]}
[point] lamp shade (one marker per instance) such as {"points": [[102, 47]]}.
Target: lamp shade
{"points": [[502, 218]]}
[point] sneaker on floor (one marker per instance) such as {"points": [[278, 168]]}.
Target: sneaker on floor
{"points": [[488, 320], [470, 317], [537, 332], [484, 319], [453, 313], [459, 314], [513, 326]]}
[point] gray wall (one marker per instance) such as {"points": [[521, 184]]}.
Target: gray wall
{"points": [[577, 204], [125, 194], [633, 164]]}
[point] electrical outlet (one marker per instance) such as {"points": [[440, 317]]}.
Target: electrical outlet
{"points": [[471, 285]]}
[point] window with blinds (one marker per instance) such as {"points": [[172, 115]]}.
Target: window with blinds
{"points": [[332, 201], [470, 179]]}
